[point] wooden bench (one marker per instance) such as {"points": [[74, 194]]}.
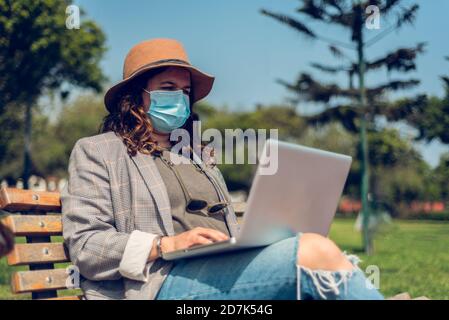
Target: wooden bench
{"points": [[36, 215]]}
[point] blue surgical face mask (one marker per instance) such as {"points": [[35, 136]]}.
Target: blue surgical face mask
{"points": [[168, 110]]}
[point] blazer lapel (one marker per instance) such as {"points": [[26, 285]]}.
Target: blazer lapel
{"points": [[156, 187]]}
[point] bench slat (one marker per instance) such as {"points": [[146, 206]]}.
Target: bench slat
{"points": [[40, 280], [34, 225], [29, 225], [13, 199], [36, 253]]}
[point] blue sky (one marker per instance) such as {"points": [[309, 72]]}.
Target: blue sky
{"points": [[247, 51]]}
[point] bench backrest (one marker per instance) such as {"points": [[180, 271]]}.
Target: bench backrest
{"points": [[36, 215]]}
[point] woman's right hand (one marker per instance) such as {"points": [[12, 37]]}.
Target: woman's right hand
{"points": [[190, 238]]}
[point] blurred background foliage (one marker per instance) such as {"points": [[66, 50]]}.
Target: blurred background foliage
{"points": [[40, 56], [41, 61], [400, 175]]}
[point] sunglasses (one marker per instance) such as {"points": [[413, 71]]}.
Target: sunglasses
{"points": [[194, 205]]}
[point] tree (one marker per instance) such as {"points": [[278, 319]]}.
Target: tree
{"points": [[11, 144], [54, 141], [400, 174], [38, 54], [361, 105], [433, 120], [442, 176], [291, 126], [399, 171]]}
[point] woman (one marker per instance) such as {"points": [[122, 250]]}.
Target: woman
{"points": [[127, 201]]}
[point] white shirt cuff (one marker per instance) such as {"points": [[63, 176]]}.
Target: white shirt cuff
{"points": [[134, 264]]}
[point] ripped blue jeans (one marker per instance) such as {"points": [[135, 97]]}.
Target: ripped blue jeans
{"points": [[267, 273]]}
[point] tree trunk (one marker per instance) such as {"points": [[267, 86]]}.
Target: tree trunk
{"points": [[27, 146], [367, 235]]}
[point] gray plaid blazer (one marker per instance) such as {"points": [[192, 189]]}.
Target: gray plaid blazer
{"points": [[112, 208]]}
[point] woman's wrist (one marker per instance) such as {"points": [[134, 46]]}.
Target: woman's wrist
{"points": [[166, 244], [154, 253], [158, 247]]}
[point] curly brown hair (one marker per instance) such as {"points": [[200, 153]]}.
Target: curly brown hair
{"points": [[130, 121]]}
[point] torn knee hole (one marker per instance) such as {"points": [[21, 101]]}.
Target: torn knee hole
{"points": [[330, 281], [327, 282]]}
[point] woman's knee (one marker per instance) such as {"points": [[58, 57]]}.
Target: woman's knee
{"points": [[320, 253]]}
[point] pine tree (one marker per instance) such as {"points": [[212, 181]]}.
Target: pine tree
{"points": [[361, 105]]}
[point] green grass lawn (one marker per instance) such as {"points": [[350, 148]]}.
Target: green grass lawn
{"points": [[413, 256]]}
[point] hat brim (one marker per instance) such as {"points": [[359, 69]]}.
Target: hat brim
{"points": [[201, 83]]}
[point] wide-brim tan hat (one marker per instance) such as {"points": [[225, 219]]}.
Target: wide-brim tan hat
{"points": [[155, 53]]}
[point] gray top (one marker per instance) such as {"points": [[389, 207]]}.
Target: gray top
{"points": [[199, 187]]}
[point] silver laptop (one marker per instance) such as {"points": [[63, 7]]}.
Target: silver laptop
{"points": [[295, 189]]}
